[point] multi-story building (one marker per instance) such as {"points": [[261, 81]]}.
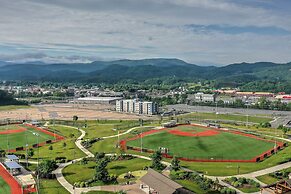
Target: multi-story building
{"points": [[136, 106]]}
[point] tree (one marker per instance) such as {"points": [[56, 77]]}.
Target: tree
{"points": [[99, 155], [285, 130], [75, 118], [30, 152], [156, 161], [64, 145], [46, 167], [101, 173], [50, 147], [175, 164]]}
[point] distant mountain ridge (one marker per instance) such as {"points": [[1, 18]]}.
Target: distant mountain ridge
{"points": [[140, 70]]}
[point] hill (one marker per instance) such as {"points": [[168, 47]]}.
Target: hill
{"points": [[146, 69]]}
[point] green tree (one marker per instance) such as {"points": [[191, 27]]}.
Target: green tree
{"points": [[156, 161], [101, 173], [50, 147], [30, 152], [64, 145], [46, 167], [175, 164]]}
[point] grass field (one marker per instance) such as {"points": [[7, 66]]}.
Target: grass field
{"points": [[12, 107], [227, 117], [70, 151], [268, 179], [4, 187], [225, 145], [51, 186], [20, 139], [78, 172]]}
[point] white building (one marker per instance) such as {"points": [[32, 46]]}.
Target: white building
{"points": [[135, 106], [98, 100], [201, 97]]}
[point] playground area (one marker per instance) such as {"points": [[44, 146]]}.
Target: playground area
{"points": [[15, 137], [204, 144]]}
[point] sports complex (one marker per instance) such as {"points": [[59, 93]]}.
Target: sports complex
{"points": [[18, 136], [193, 142]]}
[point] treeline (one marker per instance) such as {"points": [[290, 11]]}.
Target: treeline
{"points": [[7, 99]]}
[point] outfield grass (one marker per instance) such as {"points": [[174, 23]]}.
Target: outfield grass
{"points": [[231, 117], [78, 172], [225, 145], [22, 138], [51, 186], [4, 187]]}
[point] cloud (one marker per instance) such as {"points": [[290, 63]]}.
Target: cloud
{"points": [[208, 31]]}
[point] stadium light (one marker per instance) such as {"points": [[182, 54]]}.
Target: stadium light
{"points": [[37, 176]]}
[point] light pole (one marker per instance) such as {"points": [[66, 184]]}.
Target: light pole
{"points": [[37, 176], [216, 113], [247, 103], [141, 141]]}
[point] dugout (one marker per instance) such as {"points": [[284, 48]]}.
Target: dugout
{"points": [[13, 167]]}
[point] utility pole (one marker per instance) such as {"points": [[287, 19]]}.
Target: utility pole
{"points": [[37, 176]]}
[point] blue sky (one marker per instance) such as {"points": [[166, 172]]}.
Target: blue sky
{"points": [[198, 31]]}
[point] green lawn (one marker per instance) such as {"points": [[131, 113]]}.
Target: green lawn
{"points": [[4, 187], [231, 117], [14, 140], [78, 172], [224, 145], [51, 186], [249, 189], [192, 186], [12, 107], [71, 151], [228, 168], [268, 179]]}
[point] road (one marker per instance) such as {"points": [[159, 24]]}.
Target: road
{"points": [[282, 117]]}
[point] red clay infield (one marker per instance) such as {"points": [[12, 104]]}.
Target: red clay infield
{"points": [[10, 131], [189, 134]]}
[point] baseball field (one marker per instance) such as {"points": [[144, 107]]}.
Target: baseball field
{"points": [[18, 135], [203, 143]]}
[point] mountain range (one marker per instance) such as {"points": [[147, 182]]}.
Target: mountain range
{"points": [[141, 70]]}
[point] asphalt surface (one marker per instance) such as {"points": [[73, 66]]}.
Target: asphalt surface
{"points": [[281, 117]]}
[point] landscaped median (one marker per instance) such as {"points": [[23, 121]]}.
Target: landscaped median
{"points": [[244, 184]]}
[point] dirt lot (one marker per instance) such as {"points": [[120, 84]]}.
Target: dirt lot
{"points": [[67, 111]]}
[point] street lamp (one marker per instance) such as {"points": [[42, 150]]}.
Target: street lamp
{"points": [[37, 176]]}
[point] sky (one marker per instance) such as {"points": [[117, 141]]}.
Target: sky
{"points": [[204, 32]]}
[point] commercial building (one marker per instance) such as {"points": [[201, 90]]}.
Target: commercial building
{"points": [[98, 100], [136, 106], [201, 97]]}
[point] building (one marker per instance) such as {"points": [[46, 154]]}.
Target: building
{"points": [[201, 97], [154, 182], [283, 187], [136, 106], [149, 108], [98, 100]]}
